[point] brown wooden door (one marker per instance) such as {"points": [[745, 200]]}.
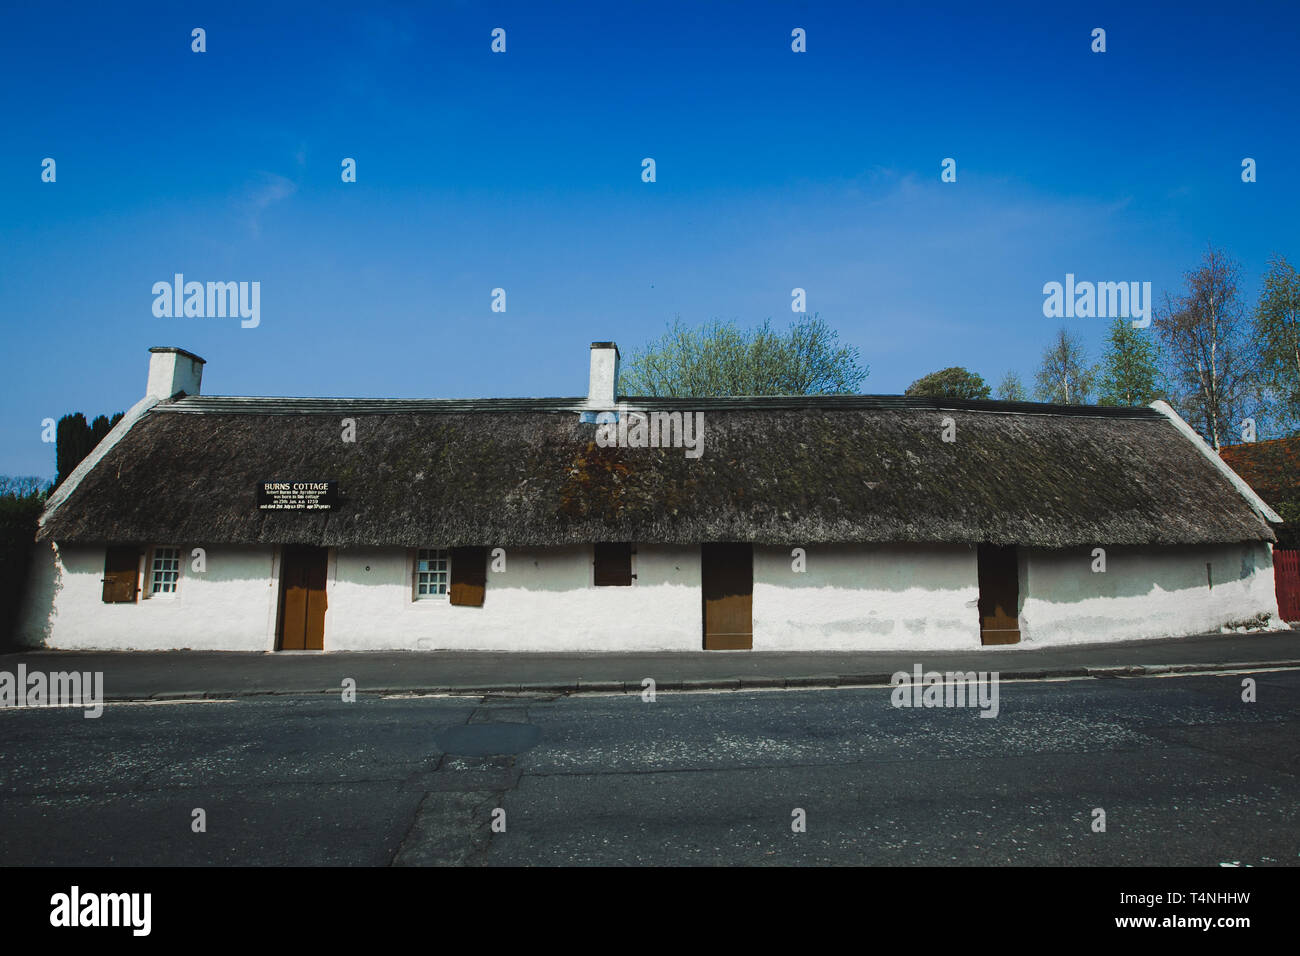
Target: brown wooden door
{"points": [[302, 598], [468, 576], [121, 575], [999, 581], [727, 578]]}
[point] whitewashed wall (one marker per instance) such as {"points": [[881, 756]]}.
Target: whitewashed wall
{"points": [[1144, 592], [543, 601], [853, 598], [880, 598], [230, 606]]}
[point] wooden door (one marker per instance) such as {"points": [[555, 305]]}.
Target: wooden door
{"points": [[121, 575], [303, 571], [468, 576], [727, 578], [999, 582]]}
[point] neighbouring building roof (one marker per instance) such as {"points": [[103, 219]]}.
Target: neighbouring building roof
{"points": [[1272, 468], [527, 472]]}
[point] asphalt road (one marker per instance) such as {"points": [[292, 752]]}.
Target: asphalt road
{"points": [[1186, 772]]}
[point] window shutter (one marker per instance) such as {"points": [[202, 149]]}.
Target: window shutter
{"points": [[121, 570], [468, 576], [613, 565]]}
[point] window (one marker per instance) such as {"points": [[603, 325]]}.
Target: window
{"points": [[613, 565], [164, 571], [432, 572]]}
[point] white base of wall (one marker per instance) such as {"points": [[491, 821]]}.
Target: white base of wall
{"points": [[853, 598], [1145, 592], [230, 606], [849, 598], [544, 600]]}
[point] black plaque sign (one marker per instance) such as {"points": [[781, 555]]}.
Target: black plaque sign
{"points": [[297, 495]]}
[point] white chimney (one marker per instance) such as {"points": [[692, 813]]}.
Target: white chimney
{"points": [[602, 391], [171, 371]]}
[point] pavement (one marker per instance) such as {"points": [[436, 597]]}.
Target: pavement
{"points": [[163, 675]]}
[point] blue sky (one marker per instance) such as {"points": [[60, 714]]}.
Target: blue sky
{"points": [[522, 171]]}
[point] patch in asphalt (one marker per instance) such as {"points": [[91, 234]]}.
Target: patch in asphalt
{"points": [[488, 740]]}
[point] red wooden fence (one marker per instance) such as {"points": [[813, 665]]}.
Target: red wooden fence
{"points": [[1286, 575]]}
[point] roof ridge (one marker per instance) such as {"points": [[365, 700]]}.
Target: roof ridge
{"points": [[306, 404]]}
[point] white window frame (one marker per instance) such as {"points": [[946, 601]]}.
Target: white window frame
{"points": [[151, 573], [417, 556]]}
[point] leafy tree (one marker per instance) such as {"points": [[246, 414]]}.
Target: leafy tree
{"points": [[1212, 364], [1129, 368], [1065, 377], [75, 439], [21, 501], [100, 427], [1277, 334], [720, 359], [1011, 389], [71, 444], [950, 383]]}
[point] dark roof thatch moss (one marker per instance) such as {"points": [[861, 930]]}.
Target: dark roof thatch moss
{"points": [[780, 471]]}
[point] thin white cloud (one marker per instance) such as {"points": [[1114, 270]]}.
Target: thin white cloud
{"points": [[266, 191]]}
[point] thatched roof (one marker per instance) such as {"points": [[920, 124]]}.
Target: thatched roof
{"points": [[780, 471]]}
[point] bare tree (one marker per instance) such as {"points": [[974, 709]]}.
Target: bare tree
{"points": [[1011, 389], [21, 486], [1211, 363], [1065, 377]]}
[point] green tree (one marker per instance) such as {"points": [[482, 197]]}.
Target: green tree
{"points": [[21, 502], [1129, 368], [953, 382], [74, 439], [1011, 389], [71, 444], [1277, 335], [1065, 377], [99, 428], [720, 359]]}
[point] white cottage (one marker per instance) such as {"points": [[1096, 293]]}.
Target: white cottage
{"points": [[802, 523]]}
